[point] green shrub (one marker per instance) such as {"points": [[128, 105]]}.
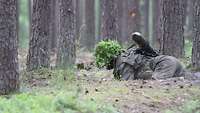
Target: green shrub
{"points": [[105, 51]]}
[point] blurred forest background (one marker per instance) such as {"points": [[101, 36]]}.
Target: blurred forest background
{"points": [[166, 25], [143, 14], [41, 41], [129, 16]]}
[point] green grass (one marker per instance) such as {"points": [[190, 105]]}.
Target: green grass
{"points": [[192, 106], [63, 102], [62, 95], [188, 48]]}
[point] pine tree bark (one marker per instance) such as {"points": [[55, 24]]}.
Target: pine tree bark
{"points": [[53, 39], [157, 24], [134, 16], [173, 21], [146, 19], [89, 37], [97, 21], [57, 22], [190, 20], [30, 14], [67, 39], [123, 22], [196, 35], [109, 19], [78, 19], [38, 55], [9, 72]]}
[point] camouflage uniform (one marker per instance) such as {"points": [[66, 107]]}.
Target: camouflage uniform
{"points": [[145, 63], [164, 66], [131, 66]]}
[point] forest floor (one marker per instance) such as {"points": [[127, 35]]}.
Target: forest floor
{"points": [[175, 95]]}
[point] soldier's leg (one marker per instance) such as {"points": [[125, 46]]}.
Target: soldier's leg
{"points": [[163, 70]]}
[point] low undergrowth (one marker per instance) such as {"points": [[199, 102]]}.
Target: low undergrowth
{"points": [[192, 106], [64, 102], [69, 91], [51, 91]]}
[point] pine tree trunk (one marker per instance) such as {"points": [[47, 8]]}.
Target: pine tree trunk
{"points": [[124, 38], [78, 19], [109, 19], [134, 16], [9, 72], [67, 39], [53, 39], [196, 35], [146, 19], [57, 22], [173, 20], [97, 21], [89, 37], [30, 15], [190, 20], [38, 55], [157, 24]]}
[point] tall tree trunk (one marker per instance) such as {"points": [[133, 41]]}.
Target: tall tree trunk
{"points": [[190, 20], [173, 20], [89, 37], [82, 22], [9, 72], [134, 16], [109, 19], [78, 19], [53, 39], [157, 24], [97, 21], [30, 10], [151, 39], [146, 18], [57, 22], [196, 35], [38, 55], [124, 37], [67, 39]]}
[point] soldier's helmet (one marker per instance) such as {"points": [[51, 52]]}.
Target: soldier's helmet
{"points": [[138, 38], [136, 35]]}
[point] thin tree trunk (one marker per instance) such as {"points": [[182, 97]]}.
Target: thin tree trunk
{"points": [[53, 39], [190, 20], [78, 19], [196, 35], [67, 39], [30, 15], [151, 38], [9, 70], [97, 21], [157, 24], [146, 18], [38, 55]]}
